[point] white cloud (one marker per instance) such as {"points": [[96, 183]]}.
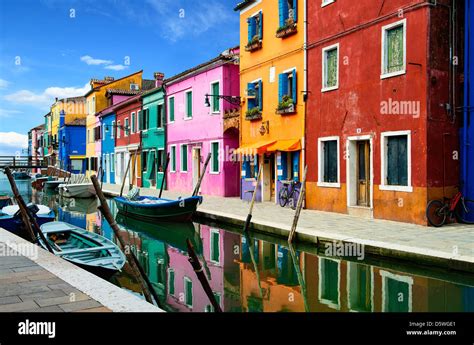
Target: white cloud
{"points": [[91, 61], [8, 112], [3, 83], [13, 139], [45, 98], [116, 67]]}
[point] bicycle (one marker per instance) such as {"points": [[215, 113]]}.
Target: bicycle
{"points": [[288, 194], [457, 207]]}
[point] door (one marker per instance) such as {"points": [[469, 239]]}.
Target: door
{"points": [[268, 177], [196, 165], [363, 173]]}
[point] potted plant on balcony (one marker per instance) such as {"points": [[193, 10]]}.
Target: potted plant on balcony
{"points": [[288, 29], [253, 114], [254, 44], [286, 105]]}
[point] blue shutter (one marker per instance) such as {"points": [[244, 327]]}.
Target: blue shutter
{"points": [[253, 25], [295, 157], [260, 29], [249, 28], [284, 165], [260, 93], [251, 101], [255, 162], [281, 80], [293, 84], [246, 168], [281, 12], [295, 10]]}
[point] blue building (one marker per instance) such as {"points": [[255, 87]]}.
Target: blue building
{"points": [[467, 129], [107, 120], [72, 145]]}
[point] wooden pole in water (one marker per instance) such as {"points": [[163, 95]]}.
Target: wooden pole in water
{"points": [[131, 258], [28, 219], [298, 206], [125, 176], [299, 275], [193, 259], [198, 184], [254, 262], [254, 196], [134, 165], [164, 174]]}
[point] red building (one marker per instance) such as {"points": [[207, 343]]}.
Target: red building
{"points": [[129, 123], [381, 126]]}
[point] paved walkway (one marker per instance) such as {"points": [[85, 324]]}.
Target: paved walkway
{"points": [[451, 245], [34, 280]]}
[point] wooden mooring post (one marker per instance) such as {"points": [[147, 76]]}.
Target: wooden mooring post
{"points": [[143, 280], [125, 176], [198, 184], [298, 207], [299, 275], [193, 259], [252, 202], [164, 174]]}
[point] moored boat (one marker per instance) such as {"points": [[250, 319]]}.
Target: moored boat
{"points": [[152, 208], [21, 175], [87, 250], [77, 190], [52, 185], [5, 200], [11, 220]]}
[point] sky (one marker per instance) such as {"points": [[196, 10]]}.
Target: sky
{"points": [[52, 48]]}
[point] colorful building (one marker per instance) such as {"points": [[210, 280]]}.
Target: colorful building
{"points": [[72, 145], [196, 126], [381, 129], [35, 144], [48, 152], [272, 86], [96, 100], [153, 156], [467, 130]]}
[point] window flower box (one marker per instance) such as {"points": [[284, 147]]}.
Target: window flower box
{"points": [[253, 114], [254, 44], [287, 30], [286, 106]]}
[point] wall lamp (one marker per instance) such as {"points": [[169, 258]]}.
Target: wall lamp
{"points": [[234, 100]]}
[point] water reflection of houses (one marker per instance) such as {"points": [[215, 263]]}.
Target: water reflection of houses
{"points": [[184, 290]]}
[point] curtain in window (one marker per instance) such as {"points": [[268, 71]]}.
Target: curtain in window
{"points": [[331, 68], [395, 49], [397, 157]]}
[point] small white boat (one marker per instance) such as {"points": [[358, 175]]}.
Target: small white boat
{"points": [[78, 186]]}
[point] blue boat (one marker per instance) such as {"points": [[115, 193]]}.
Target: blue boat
{"points": [[85, 249], [151, 208], [10, 217], [21, 175], [5, 200]]}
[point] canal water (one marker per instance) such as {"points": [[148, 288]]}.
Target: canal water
{"points": [[259, 273]]}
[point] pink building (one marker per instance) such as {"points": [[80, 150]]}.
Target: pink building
{"points": [[185, 293], [201, 122]]}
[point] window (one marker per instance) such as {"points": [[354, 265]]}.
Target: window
{"points": [[330, 68], [209, 308], [76, 164], [113, 129], [215, 103], [134, 86], [394, 49], [144, 161], [159, 115], [328, 162], [145, 116], [287, 10], [254, 93], [173, 158], [104, 130], [287, 87], [134, 129], [119, 129], [188, 292], [359, 280], [255, 28], [127, 128], [396, 161], [184, 158], [396, 292], [160, 160], [215, 157], [171, 109], [171, 281], [215, 252], [329, 280], [189, 104], [140, 120], [250, 167], [288, 165]]}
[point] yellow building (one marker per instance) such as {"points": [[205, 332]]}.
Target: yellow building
{"points": [[272, 87], [96, 101]]}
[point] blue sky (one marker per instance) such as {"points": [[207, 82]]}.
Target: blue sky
{"points": [[51, 48]]}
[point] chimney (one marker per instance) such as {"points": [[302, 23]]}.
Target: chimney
{"points": [[109, 79], [159, 77], [56, 99]]}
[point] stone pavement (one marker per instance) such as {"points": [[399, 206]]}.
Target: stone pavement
{"points": [[449, 246], [34, 280]]}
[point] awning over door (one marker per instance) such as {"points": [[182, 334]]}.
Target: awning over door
{"points": [[285, 145], [251, 149]]}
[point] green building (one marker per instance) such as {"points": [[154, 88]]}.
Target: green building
{"points": [[153, 137]]}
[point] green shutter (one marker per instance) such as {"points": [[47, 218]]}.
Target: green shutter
{"points": [[171, 283], [173, 157], [397, 160], [171, 109], [215, 157], [189, 104], [331, 68], [330, 272], [133, 123], [215, 246], [184, 157], [189, 292], [215, 100], [397, 298], [140, 120], [395, 49], [330, 161]]}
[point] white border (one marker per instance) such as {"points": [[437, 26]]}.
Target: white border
{"points": [[348, 284], [321, 183], [404, 279], [383, 74], [169, 108], [173, 159], [327, 302], [383, 171], [324, 3], [212, 98], [214, 231], [323, 64], [186, 118], [187, 279]]}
